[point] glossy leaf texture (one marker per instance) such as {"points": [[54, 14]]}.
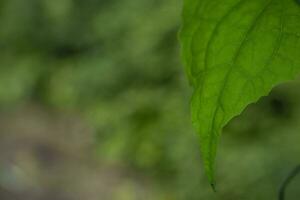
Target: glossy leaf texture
{"points": [[235, 51]]}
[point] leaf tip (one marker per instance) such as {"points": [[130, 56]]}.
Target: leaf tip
{"points": [[213, 186]]}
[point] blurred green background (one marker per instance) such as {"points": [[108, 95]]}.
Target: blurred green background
{"points": [[94, 104]]}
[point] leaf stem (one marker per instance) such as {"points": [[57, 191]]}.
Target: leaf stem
{"points": [[287, 181]]}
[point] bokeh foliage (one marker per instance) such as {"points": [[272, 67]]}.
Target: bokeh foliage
{"points": [[117, 64]]}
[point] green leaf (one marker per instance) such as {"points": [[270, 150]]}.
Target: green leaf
{"points": [[235, 51]]}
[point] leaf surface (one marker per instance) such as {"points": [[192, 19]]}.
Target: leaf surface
{"points": [[234, 52]]}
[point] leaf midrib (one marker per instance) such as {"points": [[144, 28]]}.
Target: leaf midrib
{"points": [[246, 35]]}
